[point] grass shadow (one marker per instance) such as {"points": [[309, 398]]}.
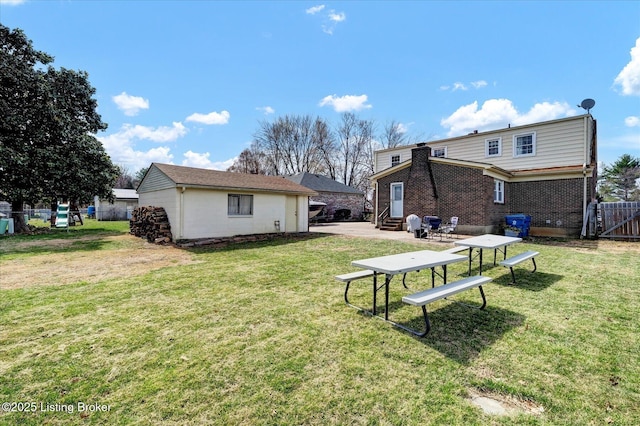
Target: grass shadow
{"points": [[270, 241], [69, 245], [461, 332], [527, 280]]}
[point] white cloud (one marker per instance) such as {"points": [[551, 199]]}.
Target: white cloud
{"points": [[496, 113], [632, 121], [315, 9], [121, 150], [402, 128], [458, 85], [330, 19], [337, 17], [211, 118], [12, 2], [346, 103], [158, 134], [479, 84], [629, 77], [201, 160], [121, 145], [266, 110], [130, 105]]}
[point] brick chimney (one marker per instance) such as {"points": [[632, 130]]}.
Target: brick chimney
{"points": [[421, 194]]}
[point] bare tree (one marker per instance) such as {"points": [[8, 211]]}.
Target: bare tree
{"points": [[393, 135], [251, 161], [355, 139], [124, 180], [294, 144]]}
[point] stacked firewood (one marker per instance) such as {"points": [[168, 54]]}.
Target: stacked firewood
{"points": [[151, 223]]}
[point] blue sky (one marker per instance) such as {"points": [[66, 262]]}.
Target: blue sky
{"points": [[188, 82]]}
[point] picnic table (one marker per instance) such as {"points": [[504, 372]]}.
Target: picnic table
{"points": [[487, 241], [403, 263]]}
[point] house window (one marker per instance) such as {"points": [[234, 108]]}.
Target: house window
{"points": [[240, 205], [439, 152], [498, 191], [395, 160], [524, 145], [493, 147]]}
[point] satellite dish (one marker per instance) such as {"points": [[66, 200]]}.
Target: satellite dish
{"points": [[587, 104]]}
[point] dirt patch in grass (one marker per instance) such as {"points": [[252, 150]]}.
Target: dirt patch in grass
{"points": [[136, 257], [497, 404]]}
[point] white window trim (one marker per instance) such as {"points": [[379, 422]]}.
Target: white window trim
{"points": [[515, 148], [486, 147], [498, 191], [391, 159], [439, 148], [229, 214]]}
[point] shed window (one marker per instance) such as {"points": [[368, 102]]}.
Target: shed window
{"points": [[493, 147], [240, 205], [395, 160], [524, 145], [498, 191]]}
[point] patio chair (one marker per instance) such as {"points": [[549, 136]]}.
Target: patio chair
{"points": [[449, 228], [431, 224]]}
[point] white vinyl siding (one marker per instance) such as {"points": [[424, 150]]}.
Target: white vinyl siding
{"points": [[524, 145], [383, 158], [558, 143], [155, 180], [493, 147]]}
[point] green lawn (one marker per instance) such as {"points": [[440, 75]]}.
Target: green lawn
{"points": [[258, 333]]}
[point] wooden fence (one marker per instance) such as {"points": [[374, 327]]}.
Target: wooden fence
{"points": [[620, 220]]}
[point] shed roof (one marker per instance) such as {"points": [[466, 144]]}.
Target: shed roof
{"points": [[322, 183], [216, 179], [121, 194]]}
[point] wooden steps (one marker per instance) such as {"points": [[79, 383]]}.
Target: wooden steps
{"points": [[392, 224]]}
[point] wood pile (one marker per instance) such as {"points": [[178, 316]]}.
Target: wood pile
{"points": [[151, 223]]}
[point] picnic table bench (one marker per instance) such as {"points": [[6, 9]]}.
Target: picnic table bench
{"points": [[423, 298], [519, 258]]}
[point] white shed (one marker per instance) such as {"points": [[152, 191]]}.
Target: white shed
{"points": [[125, 200], [202, 203]]}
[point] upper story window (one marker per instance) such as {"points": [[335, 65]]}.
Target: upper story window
{"points": [[395, 160], [439, 152], [239, 205], [493, 147], [524, 144], [498, 191]]}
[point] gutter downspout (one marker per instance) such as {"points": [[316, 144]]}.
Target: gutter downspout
{"points": [[377, 201], [182, 212], [584, 176]]}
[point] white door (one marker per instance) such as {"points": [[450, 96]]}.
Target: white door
{"points": [[396, 199]]}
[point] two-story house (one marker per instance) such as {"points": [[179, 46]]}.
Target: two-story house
{"points": [[546, 170]]}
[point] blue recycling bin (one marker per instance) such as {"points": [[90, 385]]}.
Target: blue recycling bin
{"points": [[520, 221]]}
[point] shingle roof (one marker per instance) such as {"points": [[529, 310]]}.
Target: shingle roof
{"points": [[322, 183], [125, 193], [191, 176]]}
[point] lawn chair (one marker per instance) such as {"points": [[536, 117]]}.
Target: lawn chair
{"points": [[431, 224], [449, 228]]}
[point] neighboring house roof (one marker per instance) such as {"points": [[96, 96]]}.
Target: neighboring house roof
{"points": [[120, 194], [215, 179], [322, 183]]}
